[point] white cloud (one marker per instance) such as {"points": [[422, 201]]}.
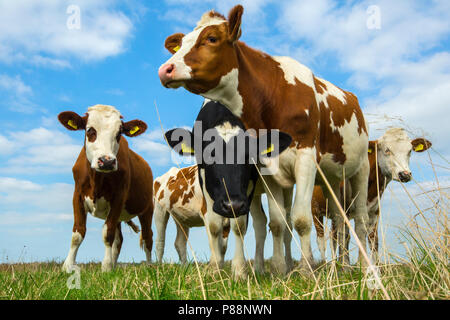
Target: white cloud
{"points": [[36, 32], [16, 95], [38, 151], [33, 197]]}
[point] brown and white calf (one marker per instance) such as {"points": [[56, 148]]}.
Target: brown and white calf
{"points": [[178, 193], [392, 152], [112, 182], [267, 92]]}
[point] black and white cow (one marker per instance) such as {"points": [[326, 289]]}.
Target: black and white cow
{"points": [[226, 156]]}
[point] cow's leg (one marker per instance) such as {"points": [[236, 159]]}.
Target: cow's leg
{"points": [[78, 232], [117, 244], [373, 236], [214, 228], [339, 228], [321, 241], [287, 234], [147, 234], [359, 183], [277, 224], [225, 236], [259, 225], [109, 235], [305, 174], [239, 227], [161, 219], [180, 242]]}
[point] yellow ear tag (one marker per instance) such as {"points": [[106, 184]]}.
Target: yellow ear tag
{"points": [[269, 150], [370, 150], [176, 48], [186, 149], [134, 130], [72, 125], [420, 147]]}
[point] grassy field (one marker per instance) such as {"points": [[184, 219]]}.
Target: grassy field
{"points": [[423, 273]]}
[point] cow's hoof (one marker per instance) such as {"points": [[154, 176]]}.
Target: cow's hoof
{"points": [[239, 271], [279, 267], [68, 267], [107, 266]]}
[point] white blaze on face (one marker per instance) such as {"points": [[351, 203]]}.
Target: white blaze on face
{"points": [[227, 131], [183, 71], [394, 151], [105, 120]]}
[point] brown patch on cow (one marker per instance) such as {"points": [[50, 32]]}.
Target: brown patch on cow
{"points": [[161, 195], [320, 86], [204, 208], [226, 231], [181, 186], [156, 186], [330, 140]]}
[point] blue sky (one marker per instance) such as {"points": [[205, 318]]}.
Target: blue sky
{"points": [[400, 72]]}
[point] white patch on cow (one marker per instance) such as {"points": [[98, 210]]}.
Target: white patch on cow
{"points": [[106, 121], [227, 93], [330, 90], [182, 70], [227, 131], [100, 209], [354, 147], [295, 70]]}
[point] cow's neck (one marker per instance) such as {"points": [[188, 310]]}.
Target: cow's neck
{"points": [[247, 89], [382, 180], [258, 77]]}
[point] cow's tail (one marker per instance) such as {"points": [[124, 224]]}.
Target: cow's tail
{"points": [[133, 226]]}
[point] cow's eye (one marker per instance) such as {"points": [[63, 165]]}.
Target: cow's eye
{"points": [[119, 134], [211, 39], [91, 134]]}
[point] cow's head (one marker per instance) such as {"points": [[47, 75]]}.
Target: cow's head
{"points": [[203, 58], [103, 128], [226, 158], [394, 151]]}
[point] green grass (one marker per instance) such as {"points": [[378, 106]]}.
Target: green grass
{"points": [[174, 281]]}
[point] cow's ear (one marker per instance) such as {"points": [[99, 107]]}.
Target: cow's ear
{"points": [[234, 23], [274, 142], [72, 121], [372, 147], [420, 144], [181, 141], [133, 128], [173, 43]]}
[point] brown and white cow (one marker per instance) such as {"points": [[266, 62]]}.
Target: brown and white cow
{"points": [[178, 193], [112, 182], [392, 152], [267, 92]]}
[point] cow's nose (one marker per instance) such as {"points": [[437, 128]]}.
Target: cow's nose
{"points": [[405, 176], [106, 163], [166, 72], [234, 207]]}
